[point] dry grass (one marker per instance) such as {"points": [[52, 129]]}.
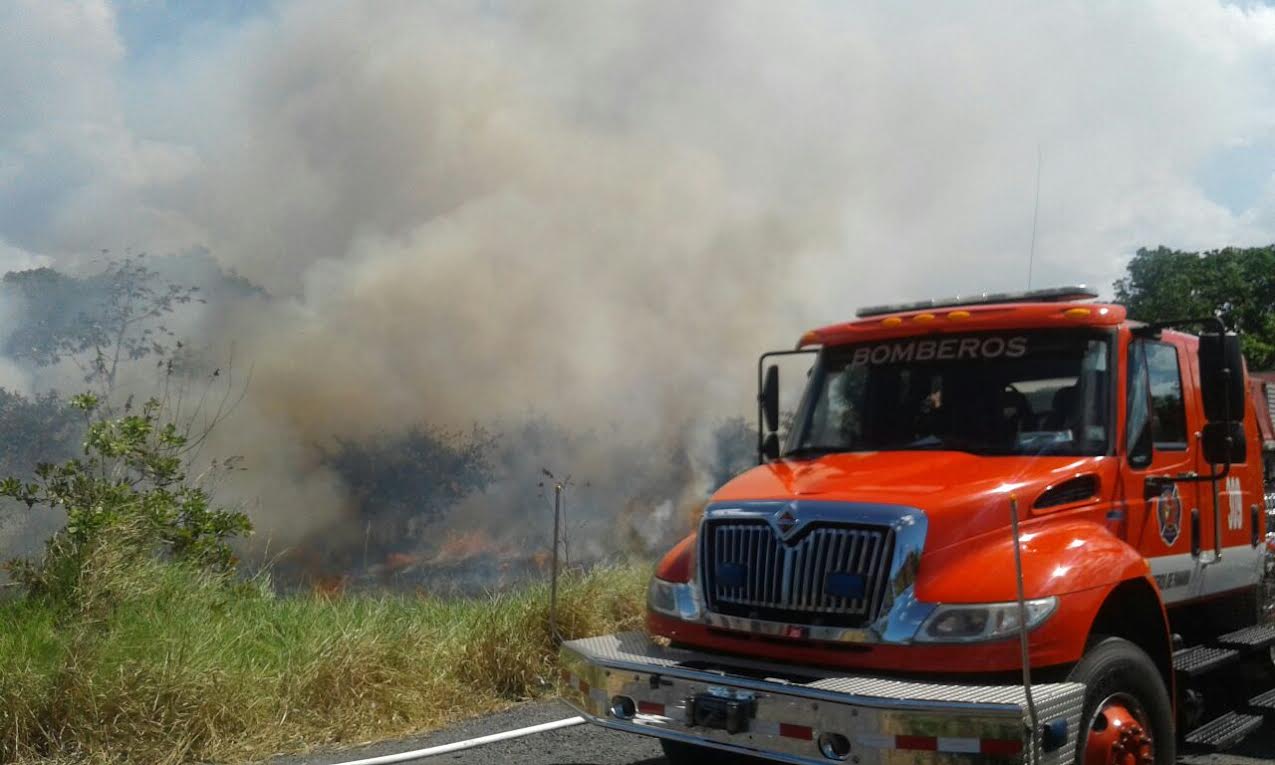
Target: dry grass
{"points": [[161, 664]]}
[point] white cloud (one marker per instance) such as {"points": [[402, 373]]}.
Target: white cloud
{"points": [[75, 174], [17, 259]]}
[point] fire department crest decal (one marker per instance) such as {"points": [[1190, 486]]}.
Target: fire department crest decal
{"points": [[1168, 511], [1235, 500]]}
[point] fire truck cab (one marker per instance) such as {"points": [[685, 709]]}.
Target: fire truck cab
{"points": [[1012, 528]]}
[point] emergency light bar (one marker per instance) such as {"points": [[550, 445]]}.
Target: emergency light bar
{"points": [[1049, 295]]}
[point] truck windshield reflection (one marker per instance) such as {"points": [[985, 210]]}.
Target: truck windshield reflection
{"points": [[1025, 393]]}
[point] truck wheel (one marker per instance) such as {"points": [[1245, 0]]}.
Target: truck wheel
{"points": [[1126, 717]]}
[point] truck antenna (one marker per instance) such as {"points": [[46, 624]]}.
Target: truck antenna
{"points": [[1022, 632], [1031, 253]]}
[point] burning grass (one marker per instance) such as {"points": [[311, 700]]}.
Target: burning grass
{"points": [[157, 663]]}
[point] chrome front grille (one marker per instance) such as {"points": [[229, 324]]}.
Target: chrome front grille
{"points": [[833, 574]]}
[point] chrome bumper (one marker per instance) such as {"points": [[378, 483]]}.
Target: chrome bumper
{"points": [[791, 709]]}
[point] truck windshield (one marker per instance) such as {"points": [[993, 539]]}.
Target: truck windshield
{"points": [[1032, 392]]}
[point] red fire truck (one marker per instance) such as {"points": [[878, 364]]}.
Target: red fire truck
{"points": [[1013, 528]]}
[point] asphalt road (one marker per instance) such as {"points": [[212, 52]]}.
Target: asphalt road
{"points": [[579, 745], [587, 745]]}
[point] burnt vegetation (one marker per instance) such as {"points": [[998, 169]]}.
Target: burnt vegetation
{"points": [[468, 510]]}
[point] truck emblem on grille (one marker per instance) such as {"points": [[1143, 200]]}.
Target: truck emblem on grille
{"points": [[785, 522]]}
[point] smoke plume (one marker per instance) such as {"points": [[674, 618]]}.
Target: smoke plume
{"points": [[599, 213]]}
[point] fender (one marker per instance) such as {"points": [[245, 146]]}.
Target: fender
{"points": [[1077, 560], [1059, 558]]}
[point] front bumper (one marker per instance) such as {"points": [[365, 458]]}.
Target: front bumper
{"points": [[790, 708]]}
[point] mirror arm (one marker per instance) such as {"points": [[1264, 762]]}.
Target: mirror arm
{"points": [[1196, 478], [1153, 329], [1214, 475], [761, 372], [760, 425]]}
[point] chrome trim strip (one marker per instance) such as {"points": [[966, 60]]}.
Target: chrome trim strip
{"points": [[901, 614], [1186, 577]]}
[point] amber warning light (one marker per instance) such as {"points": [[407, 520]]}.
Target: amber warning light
{"points": [[1050, 295]]}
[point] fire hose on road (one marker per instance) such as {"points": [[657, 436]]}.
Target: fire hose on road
{"points": [[457, 746]]}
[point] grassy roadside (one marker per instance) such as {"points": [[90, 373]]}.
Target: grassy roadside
{"points": [[160, 663]]}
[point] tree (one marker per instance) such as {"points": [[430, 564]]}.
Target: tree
{"points": [[98, 322], [37, 429], [1235, 284], [400, 480]]}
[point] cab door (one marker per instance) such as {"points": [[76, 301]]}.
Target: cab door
{"points": [[1158, 446]]}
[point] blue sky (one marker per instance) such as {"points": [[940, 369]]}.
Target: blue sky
{"points": [[1237, 176], [158, 27]]}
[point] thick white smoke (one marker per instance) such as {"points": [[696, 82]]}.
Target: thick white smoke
{"points": [[603, 211]]}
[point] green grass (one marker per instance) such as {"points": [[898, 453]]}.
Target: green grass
{"points": [[157, 663]]}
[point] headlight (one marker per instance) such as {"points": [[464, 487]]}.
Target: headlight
{"points": [[969, 623], [674, 599]]}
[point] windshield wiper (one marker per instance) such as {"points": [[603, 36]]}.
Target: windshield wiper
{"points": [[809, 451], [947, 444]]}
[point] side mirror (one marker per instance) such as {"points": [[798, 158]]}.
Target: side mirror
{"points": [[1213, 442], [770, 447], [770, 399], [1221, 377]]}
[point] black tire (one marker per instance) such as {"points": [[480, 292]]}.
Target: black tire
{"points": [[1116, 667], [679, 753]]}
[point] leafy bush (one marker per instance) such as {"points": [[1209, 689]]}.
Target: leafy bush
{"points": [[400, 480], [131, 485]]}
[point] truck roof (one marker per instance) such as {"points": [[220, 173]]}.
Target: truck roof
{"points": [[1042, 309]]}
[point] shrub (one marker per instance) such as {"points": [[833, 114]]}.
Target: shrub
{"points": [[131, 485]]}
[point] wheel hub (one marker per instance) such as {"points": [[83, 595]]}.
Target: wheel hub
{"points": [[1118, 737]]}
